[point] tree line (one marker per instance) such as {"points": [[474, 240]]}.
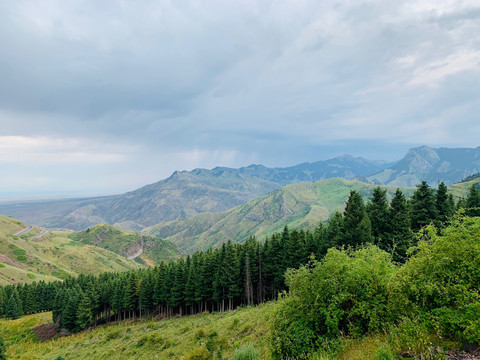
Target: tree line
{"points": [[236, 274]]}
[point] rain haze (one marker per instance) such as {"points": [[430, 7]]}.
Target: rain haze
{"points": [[102, 97]]}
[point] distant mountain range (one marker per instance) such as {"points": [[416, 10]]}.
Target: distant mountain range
{"points": [[184, 194], [432, 165], [188, 193]]}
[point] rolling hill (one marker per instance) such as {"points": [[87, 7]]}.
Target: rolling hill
{"points": [[34, 256], [39, 255], [143, 249], [183, 195], [302, 205]]}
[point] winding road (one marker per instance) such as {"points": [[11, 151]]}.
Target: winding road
{"points": [[27, 229]]}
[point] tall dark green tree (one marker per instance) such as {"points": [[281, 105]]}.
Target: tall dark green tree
{"points": [[444, 204], [334, 233], [131, 295], [399, 236], [473, 201], [423, 210], [377, 210], [11, 310], [356, 224], [85, 312]]}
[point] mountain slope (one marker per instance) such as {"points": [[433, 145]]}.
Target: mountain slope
{"points": [[183, 195], [143, 249], [36, 255], [301, 205], [432, 165]]}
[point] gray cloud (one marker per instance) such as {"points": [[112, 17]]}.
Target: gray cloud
{"points": [[182, 84]]}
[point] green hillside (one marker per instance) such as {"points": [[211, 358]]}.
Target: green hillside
{"points": [[141, 248], [176, 338], [301, 205], [51, 256]]}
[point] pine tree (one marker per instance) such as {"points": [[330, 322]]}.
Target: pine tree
{"points": [[444, 204], [357, 226], [3, 300], [84, 312], [377, 210], [473, 201], [131, 298], [423, 208], [334, 233], [69, 311], [177, 295], [11, 310], [399, 236]]}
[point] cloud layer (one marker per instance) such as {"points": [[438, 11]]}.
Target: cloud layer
{"points": [[107, 96]]}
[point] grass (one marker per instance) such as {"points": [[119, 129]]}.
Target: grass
{"points": [[216, 334], [211, 335]]}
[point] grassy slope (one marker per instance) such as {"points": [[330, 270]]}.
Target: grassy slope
{"points": [[462, 189], [147, 339], [175, 338], [127, 243], [301, 205], [50, 257]]}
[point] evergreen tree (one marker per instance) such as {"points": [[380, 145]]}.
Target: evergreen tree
{"points": [[357, 226], [444, 204], [473, 201], [84, 312], [69, 311], [11, 310], [177, 295], [131, 298], [377, 210], [461, 203], [334, 233], [423, 208], [399, 236], [3, 300]]}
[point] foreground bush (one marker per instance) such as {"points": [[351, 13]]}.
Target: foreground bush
{"points": [[345, 293], [246, 352], [441, 281], [434, 295]]}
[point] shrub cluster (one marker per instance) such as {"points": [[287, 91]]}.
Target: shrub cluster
{"points": [[352, 293]]}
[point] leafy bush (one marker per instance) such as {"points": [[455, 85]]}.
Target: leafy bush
{"points": [[246, 352], [441, 280], [345, 293], [383, 354], [199, 353]]}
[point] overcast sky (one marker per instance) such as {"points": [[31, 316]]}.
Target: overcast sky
{"points": [[100, 97]]}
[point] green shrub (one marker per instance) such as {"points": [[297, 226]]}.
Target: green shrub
{"points": [[383, 354], [199, 353], [113, 335], [246, 352], [345, 293], [440, 282], [234, 323]]}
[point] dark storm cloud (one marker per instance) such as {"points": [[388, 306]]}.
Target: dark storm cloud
{"points": [[154, 86]]}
